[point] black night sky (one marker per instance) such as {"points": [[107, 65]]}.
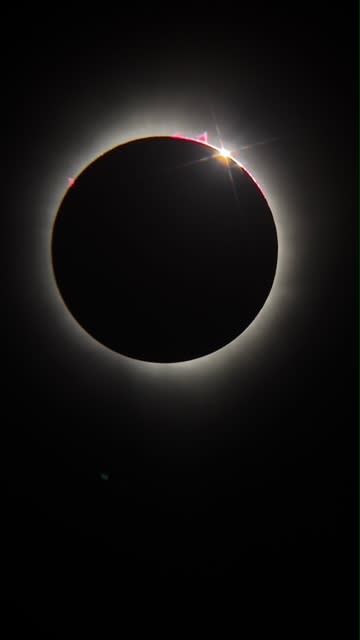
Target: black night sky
{"points": [[224, 491]]}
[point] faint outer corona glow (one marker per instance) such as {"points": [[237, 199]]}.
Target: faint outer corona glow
{"points": [[251, 341]]}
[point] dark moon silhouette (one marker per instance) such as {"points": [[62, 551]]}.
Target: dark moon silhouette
{"points": [[163, 250]]}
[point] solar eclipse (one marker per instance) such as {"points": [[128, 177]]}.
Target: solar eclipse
{"points": [[165, 249]]}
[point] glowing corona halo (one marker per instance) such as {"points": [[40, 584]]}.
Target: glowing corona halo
{"points": [[229, 161], [74, 153]]}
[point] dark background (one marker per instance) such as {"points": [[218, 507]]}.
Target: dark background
{"points": [[235, 485]]}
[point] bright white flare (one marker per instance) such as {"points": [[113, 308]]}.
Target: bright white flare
{"points": [[225, 152]]}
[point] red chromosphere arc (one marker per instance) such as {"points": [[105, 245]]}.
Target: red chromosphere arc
{"points": [[202, 138]]}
